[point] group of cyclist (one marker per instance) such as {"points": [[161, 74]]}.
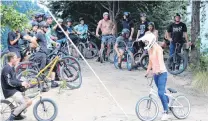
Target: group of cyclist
{"points": [[42, 41]]}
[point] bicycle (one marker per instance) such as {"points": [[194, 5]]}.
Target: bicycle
{"points": [[127, 57], [42, 104], [89, 49], [64, 70], [177, 62], [175, 105]]}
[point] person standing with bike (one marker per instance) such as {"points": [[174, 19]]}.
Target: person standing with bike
{"points": [[128, 23], [176, 32], [107, 28], [12, 87], [157, 65]]}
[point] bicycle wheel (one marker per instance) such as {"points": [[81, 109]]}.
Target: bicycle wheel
{"points": [[181, 107], [176, 64], [26, 65], [111, 56], [129, 62], [147, 109], [72, 76], [29, 76], [116, 61], [91, 51], [137, 58], [3, 59], [144, 61], [45, 110], [81, 47], [103, 55], [6, 108], [72, 60]]}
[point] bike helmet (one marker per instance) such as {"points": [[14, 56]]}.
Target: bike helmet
{"points": [[69, 20], [125, 33], [126, 14], [81, 18], [34, 23], [143, 15], [149, 40], [37, 15], [46, 16], [43, 24]]}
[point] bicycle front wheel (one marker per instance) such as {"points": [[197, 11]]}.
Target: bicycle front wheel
{"points": [[129, 62], [6, 107], [45, 110], [147, 109], [144, 61], [181, 107]]}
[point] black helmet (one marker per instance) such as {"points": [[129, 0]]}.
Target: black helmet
{"points": [[69, 20], [81, 18], [177, 14], [37, 15], [43, 24], [126, 14], [46, 16], [34, 23], [143, 15]]}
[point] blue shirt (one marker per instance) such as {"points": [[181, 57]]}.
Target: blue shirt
{"points": [[82, 29], [69, 28]]}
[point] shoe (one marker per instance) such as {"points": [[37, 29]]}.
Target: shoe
{"points": [[98, 60], [165, 117], [54, 84], [19, 117], [11, 118], [106, 59], [119, 65], [44, 89]]}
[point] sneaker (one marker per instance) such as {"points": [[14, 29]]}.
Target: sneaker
{"points": [[98, 60], [165, 117], [19, 117], [54, 84], [119, 65]]}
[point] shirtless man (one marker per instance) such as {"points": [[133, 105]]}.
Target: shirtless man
{"points": [[107, 28]]}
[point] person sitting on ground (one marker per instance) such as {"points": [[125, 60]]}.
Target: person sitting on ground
{"points": [[123, 44], [12, 87], [81, 29]]}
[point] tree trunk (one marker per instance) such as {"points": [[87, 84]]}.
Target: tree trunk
{"points": [[195, 31]]}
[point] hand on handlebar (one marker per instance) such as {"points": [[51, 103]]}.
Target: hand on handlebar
{"points": [[25, 84]]}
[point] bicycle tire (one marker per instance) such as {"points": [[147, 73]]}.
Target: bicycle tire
{"points": [[115, 61], [169, 62], [129, 62], [41, 101], [3, 59], [102, 55], [137, 109], [72, 60], [31, 75], [29, 65], [111, 56], [72, 83], [94, 51], [81, 47], [144, 61], [174, 109], [137, 58], [10, 106]]}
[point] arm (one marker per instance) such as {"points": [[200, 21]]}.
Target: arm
{"points": [[116, 48], [185, 32], [138, 33], [12, 40], [149, 66], [113, 29], [12, 82], [98, 27], [156, 34], [160, 57], [54, 28], [132, 32]]}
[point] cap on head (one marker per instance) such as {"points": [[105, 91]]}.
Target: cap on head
{"points": [[143, 15], [46, 16], [34, 23], [69, 20], [60, 20], [81, 18], [105, 13]]}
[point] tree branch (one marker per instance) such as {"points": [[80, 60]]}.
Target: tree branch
{"points": [[104, 6]]}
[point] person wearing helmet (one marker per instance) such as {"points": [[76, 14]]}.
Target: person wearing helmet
{"points": [[108, 30], [128, 23], [41, 44], [157, 67], [59, 33], [176, 33], [151, 29], [122, 44], [81, 29], [39, 17], [71, 32]]}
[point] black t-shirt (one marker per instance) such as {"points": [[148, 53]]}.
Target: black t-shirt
{"points": [[41, 39], [11, 37], [60, 34], [9, 82], [143, 27], [176, 31], [128, 24]]}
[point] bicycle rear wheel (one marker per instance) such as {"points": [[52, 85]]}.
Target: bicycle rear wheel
{"points": [[176, 64], [181, 107], [6, 107], [144, 61], [129, 62], [71, 75], [45, 110], [137, 58], [147, 109]]}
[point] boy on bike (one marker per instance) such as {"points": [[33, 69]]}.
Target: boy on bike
{"points": [[123, 44], [11, 87]]}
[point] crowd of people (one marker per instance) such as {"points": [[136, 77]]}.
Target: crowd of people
{"points": [[42, 40]]}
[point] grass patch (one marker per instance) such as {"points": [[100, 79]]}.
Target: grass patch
{"points": [[201, 81]]}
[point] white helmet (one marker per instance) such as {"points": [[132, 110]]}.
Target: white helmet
{"points": [[150, 38]]}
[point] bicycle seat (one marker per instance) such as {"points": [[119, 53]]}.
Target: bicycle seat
{"points": [[172, 90]]}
